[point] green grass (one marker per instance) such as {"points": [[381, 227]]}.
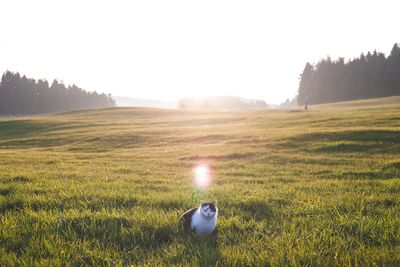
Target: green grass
{"points": [[106, 187]]}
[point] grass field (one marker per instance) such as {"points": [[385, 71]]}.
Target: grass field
{"points": [[106, 187]]}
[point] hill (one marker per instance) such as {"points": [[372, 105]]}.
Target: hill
{"points": [[106, 187], [221, 103], [122, 101], [376, 103]]}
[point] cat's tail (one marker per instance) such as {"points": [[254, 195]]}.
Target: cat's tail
{"points": [[186, 219]]}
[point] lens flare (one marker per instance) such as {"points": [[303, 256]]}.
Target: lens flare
{"points": [[202, 176]]}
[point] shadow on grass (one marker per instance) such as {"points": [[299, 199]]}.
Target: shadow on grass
{"points": [[82, 203], [15, 179], [376, 174], [20, 179], [22, 128], [32, 143], [198, 250], [388, 170], [201, 139], [114, 231], [166, 204], [256, 209], [231, 156], [6, 191], [27, 134], [361, 141], [11, 205]]}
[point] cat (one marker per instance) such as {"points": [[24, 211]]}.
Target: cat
{"points": [[202, 220]]}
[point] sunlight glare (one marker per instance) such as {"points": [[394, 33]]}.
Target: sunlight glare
{"points": [[202, 176]]}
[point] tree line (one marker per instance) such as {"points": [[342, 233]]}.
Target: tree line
{"points": [[368, 76], [22, 95], [221, 102]]}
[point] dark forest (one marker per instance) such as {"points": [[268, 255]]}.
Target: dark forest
{"points": [[368, 76], [22, 95]]}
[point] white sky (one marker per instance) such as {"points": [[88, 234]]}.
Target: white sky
{"points": [[171, 49]]}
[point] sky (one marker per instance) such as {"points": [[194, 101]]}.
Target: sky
{"points": [[167, 50]]}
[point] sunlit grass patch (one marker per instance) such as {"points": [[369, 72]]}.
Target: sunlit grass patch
{"points": [[106, 187]]}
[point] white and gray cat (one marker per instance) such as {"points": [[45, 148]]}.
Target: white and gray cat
{"points": [[203, 220]]}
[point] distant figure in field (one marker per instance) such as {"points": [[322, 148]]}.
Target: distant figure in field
{"points": [[305, 102]]}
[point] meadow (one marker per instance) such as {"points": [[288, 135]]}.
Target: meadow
{"points": [[294, 188]]}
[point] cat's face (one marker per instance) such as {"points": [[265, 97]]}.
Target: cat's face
{"points": [[208, 209]]}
